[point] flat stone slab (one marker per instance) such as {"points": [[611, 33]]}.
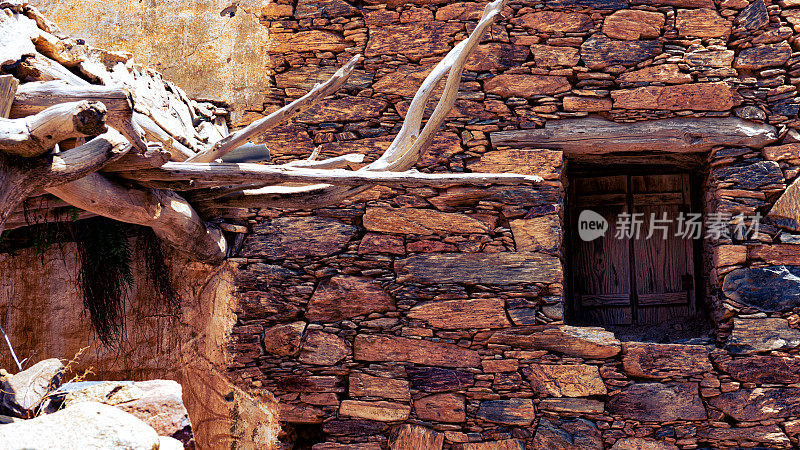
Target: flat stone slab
{"points": [[460, 314], [515, 411], [368, 347], [584, 342], [438, 379], [761, 335], [563, 380], [658, 402], [578, 434], [763, 369], [759, 403], [480, 268], [297, 237], [343, 297], [655, 361], [771, 435]]}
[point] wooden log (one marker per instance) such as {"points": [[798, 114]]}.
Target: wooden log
{"points": [[36, 135], [23, 177], [153, 132], [53, 215], [154, 156], [593, 135], [42, 68], [320, 91], [226, 173], [8, 87]]}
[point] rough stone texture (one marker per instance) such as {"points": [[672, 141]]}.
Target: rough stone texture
{"points": [[551, 56], [381, 411], [494, 269], [419, 351], [665, 73], [84, 425], [515, 411], [420, 221], [772, 288], [658, 402], [297, 237], [437, 379], [344, 297], [544, 163], [496, 55], [584, 342], [284, 340], [458, 314], [363, 385], [763, 56], [718, 96], [414, 41], [549, 21], [572, 405], [770, 435], [786, 211], [599, 51], [323, 349], [417, 437], [759, 403], [705, 23], [763, 369], [441, 408], [631, 25], [23, 392], [762, 335], [577, 434], [642, 444], [505, 444], [513, 85], [664, 360], [579, 380], [537, 234]]}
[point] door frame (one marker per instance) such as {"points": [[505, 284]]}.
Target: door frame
{"points": [[571, 313]]}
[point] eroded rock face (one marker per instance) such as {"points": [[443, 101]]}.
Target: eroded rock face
{"points": [[772, 288], [515, 411], [557, 380], [576, 434], [343, 297], [761, 335], [298, 236], [759, 403], [658, 402]]}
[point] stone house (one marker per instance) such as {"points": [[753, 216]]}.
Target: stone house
{"points": [[480, 318]]}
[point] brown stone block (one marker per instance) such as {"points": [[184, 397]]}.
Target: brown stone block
{"points": [[663, 73], [403, 81], [416, 437], [763, 369], [343, 297], [706, 23], [297, 237], [642, 444], [550, 56], [381, 411], [458, 314], [460, 11], [323, 349], [441, 408], [762, 335], [500, 365], [337, 446], [293, 413], [284, 340], [752, 405], [414, 41], [522, 85], [420, 221], [363, 385], [480, 268], [631, 24], [343, 109], [496, 55], [706, 58], [537, 234], [505, 444], [763, 56], [547, 164], [555, 21], [658, 402], [775, 254], [418, 351], [648, 360], [679, 3], [584, 342], [782, 152], [572, 405], [729, 255], [515, 411], [770, 435], [786, 210], [588, 104], [319, 383], [716, 96], [599, 51], [562, 380], [308, 41], [381, 243]]}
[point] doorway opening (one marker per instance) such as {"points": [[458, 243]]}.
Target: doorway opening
{"points": [[634, 258]]}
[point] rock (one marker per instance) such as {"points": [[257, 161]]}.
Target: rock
{"points": [[555, 21], [418, 351], [414, 41], [485, 268], [337, 446], [771, 288], [578, 434], [343, 297], [708, 58], [754, 16], [309, 41], [441, 408], [781, 152], [770, 435], [664, 73], [322, 383], [599, 51], [763, 56], [328, 9], [381, 243], [437, 379], [363, 385], [537, 234], [588, 104], [82, 425], [22, 393], [160, 406], [505, 444], [496, 55], [323, 349], [583, 342], [545, 163], [381, 411], [562, 380], [704, 23], [550, 56], [763, 369], [459, 314], [658, 402], [572, 405], [729, 255], [404, 81], [343, 109], [169, 443], [420, 221], [515, 411], [785, 212], [642, 444], [716, 96], [297, 237], [761, 335], [499, 365], [354, 427], [416, 437], [759, 403], [631, 24], [593, 4], [523, 85], [709, 4], [284, 340], [751, 113], [755, 176], [654, 361]]}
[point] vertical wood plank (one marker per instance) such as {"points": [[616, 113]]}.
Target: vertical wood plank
{"points": [[8, 89]]}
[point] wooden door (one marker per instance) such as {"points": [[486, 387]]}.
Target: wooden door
{"points": [[640, 280]]}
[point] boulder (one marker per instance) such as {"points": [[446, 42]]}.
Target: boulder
{"points": [[23, 393], [84, 425], [771, 288]]}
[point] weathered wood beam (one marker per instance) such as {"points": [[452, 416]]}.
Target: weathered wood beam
{"points": [[8, 87], [23, 177], [320, 91], [37, 134], [226, 173], [154, 156], [594, 135]]}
